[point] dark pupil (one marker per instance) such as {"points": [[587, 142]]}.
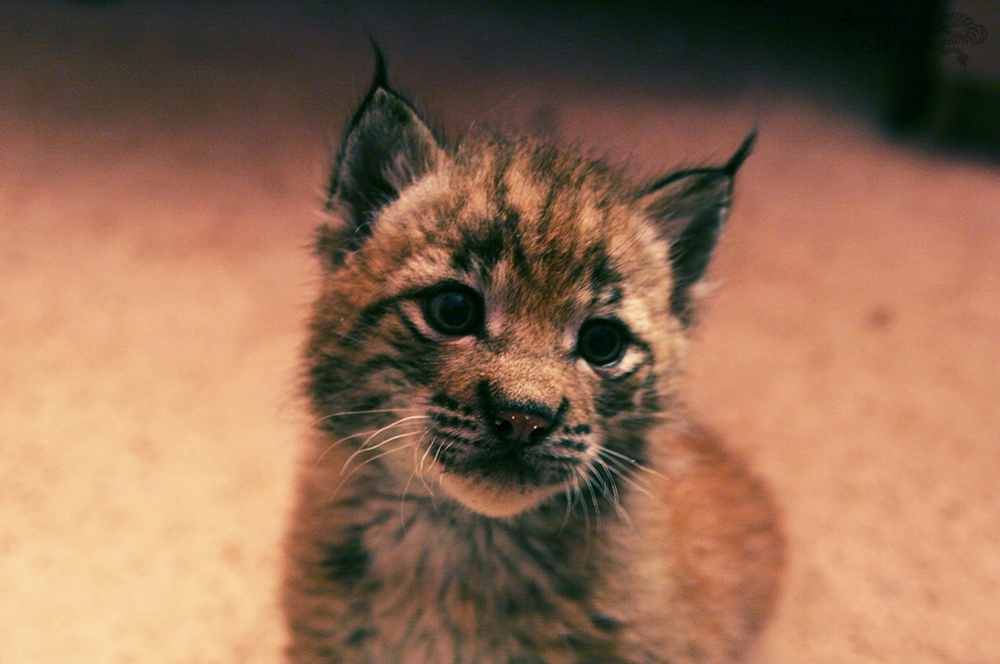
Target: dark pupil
{"points": [[452, 312], [601, 343]]}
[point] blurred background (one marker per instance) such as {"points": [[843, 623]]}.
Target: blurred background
{"points": [[161, 171]]}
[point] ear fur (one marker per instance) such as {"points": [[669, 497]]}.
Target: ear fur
{"points": [[690, 207], [387, 147]]}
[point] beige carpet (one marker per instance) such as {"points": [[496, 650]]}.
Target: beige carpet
{"points": [[156, 197]]}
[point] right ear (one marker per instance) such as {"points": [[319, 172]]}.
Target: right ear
{"points": [[689, 207], [386, 148]]}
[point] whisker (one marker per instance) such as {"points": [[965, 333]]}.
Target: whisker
{"points": [[384, 453], [572, 491], [420, 474], [346, 413], [364, 446], [423, 459], [632, 462], [624, 472], [615, 497], [437, 450], [421, 466], [406, 487], [375, 458], [441, 450], [338, 442], [369, 432], [578, 490], [593, 499]]}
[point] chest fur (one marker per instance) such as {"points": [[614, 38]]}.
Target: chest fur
{"points": [[436, 585]]}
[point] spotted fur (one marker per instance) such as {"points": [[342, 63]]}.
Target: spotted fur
{"points": [[501, 471]]}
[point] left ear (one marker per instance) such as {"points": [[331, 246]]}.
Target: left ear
{"points": [[387, 147], [690, 207]]}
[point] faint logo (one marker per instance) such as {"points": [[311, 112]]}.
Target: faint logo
{"points": [[901, 34], [960, 31]]}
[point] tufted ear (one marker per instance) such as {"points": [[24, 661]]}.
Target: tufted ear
{"points": [[690, 207], [386, 148]]}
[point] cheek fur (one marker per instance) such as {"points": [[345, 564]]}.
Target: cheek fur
{"points": [[633, 396]]}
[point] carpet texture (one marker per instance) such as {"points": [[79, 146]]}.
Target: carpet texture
{"points": [[160, 176]]}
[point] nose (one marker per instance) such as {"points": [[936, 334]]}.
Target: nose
{"points": [[516, 426]]}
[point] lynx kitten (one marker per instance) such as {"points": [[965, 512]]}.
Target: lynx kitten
{"points": [[501, 470]]}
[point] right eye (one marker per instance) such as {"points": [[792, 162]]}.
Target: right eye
{"points": [[602, 342], [453, 309]]}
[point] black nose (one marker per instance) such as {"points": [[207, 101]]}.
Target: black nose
{"points": [[517, 426]]}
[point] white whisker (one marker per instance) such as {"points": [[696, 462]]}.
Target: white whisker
{"points": [[615, 497], [374, 458], [346, 413], [364, 447], [384, 453], [423, 459], [341, 440], [593, 499], [406, 487], [624, 458], [625, 473]]}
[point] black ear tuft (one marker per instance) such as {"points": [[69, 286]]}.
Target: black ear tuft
{"points": [[690, 207], [386, 148], [381, 77], [741, 155]]}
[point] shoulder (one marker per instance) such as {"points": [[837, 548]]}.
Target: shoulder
{"points": [[716, 529]]}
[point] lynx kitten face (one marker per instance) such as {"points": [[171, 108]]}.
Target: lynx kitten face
{"points": [[496, 342]]}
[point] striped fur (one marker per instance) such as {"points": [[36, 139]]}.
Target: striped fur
{"points": [[502, 495]]}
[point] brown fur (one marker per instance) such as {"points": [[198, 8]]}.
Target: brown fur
{"points": [[430, 528]]}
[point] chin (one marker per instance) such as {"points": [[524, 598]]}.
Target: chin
{"points": [[495, 499]]}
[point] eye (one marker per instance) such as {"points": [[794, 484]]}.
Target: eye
{"points": [[453, 309], [602, 342]]}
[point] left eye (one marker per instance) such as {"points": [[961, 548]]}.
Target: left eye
{"points": [[602, 342], [453, 309]]}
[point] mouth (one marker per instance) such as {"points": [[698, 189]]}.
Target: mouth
{"points": [[501, 482], [527, 466]]}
